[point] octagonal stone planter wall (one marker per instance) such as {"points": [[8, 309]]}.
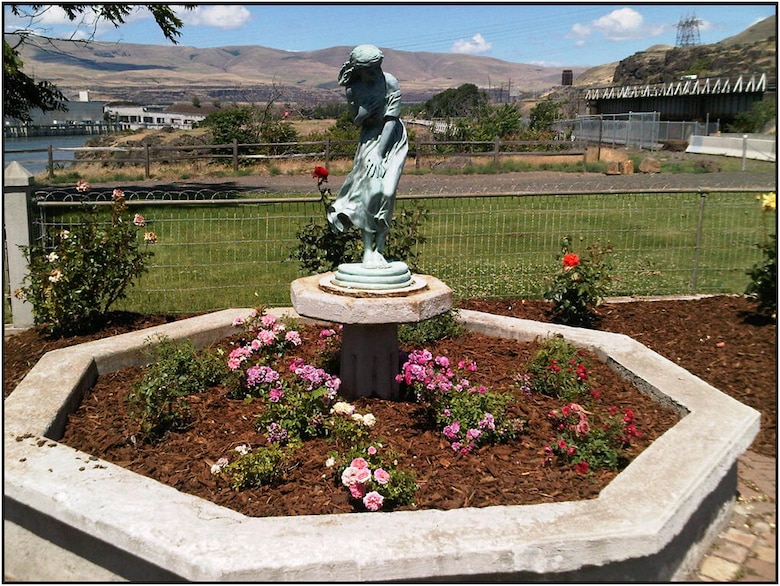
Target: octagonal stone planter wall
{"points": [[70, 516]]}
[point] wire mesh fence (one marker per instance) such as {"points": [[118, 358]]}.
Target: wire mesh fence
{"points": [[217, 253], [643, 130]]}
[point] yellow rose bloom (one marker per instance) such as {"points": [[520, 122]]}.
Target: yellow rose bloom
{"points": [[768, 202]]}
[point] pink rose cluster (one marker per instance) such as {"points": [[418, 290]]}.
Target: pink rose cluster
{"points": [[270, 336], [466, 444], [358, 478], [313, 377], [265, 378], [428, 375], [434, 380], [328, 337]]}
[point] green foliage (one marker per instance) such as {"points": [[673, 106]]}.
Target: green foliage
{"points": [[250, 125], [321, 249], [756, 119], [484, 123], [581, 285], [344, 431], [75, 276], [279, 131], [328, 110], [397, 486], [591, 439], [468, 415], [232, 124], [298, 415], [253, 468], [158, 403], [466, 100], [763, 278], [497, 121], [544, 114], [557, 370], [430, 330]]}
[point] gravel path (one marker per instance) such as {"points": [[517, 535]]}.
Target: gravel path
{"points": [[503, 183]]}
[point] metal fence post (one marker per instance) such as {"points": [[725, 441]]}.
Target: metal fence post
{"points": [[147, 172], [16, 231], [496, 149], [699, 233], [50, 165]]}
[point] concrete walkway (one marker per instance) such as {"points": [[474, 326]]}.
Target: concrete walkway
{"points": [[746, 551]]}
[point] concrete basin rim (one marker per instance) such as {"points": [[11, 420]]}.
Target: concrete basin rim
{"points": [[635, 525]]}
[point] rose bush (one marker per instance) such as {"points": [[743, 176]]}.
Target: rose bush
{"points": [[762, 288], [581, 285], [467, 415], [75, 275]]}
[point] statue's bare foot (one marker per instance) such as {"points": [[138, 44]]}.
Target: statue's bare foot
{"points": [[374, 260]]}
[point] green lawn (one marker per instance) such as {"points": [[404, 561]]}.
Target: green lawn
{"points": [[215, 256]]}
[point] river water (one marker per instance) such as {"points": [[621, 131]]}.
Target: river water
{"points": [[36, 162]]}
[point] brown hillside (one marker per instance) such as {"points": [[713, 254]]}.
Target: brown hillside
{"points": [[155, 73], [752, 51]]}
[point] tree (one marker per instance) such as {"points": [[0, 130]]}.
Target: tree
{"points": [[233, 124], [466, 100], [21, 93], [544, 114]]}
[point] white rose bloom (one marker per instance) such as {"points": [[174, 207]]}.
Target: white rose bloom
{"points": [[369, 420], [342, 408]]}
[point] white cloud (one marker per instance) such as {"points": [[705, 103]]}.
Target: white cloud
{"points": [[546, 63], [53, 22], [222, 16], [622, 24], [473, 46]]}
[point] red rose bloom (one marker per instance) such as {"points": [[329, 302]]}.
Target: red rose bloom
{"points": [[570, 261], [320, 173]]}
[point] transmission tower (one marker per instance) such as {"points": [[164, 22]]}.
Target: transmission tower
{"points": [[688, 31]]}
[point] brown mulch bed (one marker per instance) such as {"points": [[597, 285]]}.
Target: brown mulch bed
{"points": [[735, 352], [720, 339]]}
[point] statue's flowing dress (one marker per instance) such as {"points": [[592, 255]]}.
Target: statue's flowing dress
{"points": [[365, 201]]}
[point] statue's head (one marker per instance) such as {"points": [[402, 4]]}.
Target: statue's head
{"points": [[362, 56]]}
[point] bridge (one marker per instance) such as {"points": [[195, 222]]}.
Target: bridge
{"points": [[688, 98]]}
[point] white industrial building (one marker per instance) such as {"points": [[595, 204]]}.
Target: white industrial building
{"points": [[138, 117]]}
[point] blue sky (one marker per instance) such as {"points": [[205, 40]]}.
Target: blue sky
{"points": [[551, 34]]}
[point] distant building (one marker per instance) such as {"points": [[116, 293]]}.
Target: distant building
{"points": [[78, 113], [134, 117]]}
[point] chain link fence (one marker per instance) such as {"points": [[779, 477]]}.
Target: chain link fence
{"points": [[643, 130]]}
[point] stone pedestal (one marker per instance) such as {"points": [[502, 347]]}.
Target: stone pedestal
{"points": [[369, 354], [369, 360]]}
